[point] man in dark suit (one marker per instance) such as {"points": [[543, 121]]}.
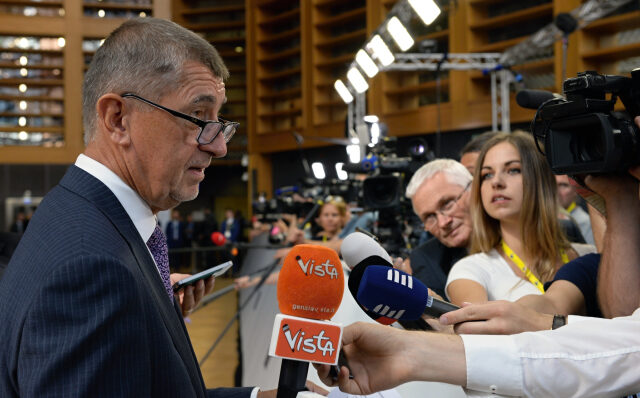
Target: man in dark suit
{"points": [[87, 308]]}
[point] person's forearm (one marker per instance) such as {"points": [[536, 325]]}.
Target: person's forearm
{"points": [[437, 357], [539, 303], [619, 270]]}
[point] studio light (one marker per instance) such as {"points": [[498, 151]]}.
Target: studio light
{"points": [[357, 81], [399, 34], [342, 175], [353, 151], [374, 132], [343, 91], [380, 51], [318, 170], [427, 10], [366, 63]]}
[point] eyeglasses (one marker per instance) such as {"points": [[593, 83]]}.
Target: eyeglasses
{"points": [[209, 129], [447, 207]]}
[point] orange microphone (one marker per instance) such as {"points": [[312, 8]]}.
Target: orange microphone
{"points": [[310, 289]]}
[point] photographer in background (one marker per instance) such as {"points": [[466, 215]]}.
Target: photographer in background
{"points": [[567, 196]]}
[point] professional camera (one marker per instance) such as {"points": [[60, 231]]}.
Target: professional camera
{"points": [[383, 191], [583, 134]]}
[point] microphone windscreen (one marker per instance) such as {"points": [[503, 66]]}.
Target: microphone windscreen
{"points": [[218, 238], [358, 246], [311, 282], [532, 99], [392, 293]]}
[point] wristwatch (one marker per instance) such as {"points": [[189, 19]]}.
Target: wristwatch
{"points": [[558, 321]]}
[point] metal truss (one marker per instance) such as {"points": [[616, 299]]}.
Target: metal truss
{"points": [[453, 61], [540, 41]]}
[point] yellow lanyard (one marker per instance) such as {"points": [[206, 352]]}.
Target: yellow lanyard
{"points": [[532, 278], [571, 207]]}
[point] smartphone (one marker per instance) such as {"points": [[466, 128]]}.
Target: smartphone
{"points": [[213, 271]]}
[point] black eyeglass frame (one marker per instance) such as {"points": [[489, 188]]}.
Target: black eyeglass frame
{"points": [[199, 122]]}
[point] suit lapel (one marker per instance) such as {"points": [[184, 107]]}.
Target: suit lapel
{"points": [[89, 187]]}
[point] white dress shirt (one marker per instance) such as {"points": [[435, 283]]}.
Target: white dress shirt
{"points": [[589, 357], [138, 210]]}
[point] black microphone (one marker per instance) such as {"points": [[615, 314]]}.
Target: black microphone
{"points": [[532, 99], [361, 251], [392, 293]]}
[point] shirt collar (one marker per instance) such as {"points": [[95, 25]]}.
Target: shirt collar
{"points": [[138, 210]]}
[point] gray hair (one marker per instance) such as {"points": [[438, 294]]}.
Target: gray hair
{"points": [[455, 172], [144, 56]]}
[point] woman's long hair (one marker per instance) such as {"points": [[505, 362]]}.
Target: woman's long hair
{"points": [[543, 238]]}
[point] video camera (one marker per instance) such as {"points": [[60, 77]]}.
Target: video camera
{"points": [[383, 190], [583, 134]]}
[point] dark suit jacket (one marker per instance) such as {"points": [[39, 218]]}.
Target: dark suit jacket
{"points": [[432, 261], [172, 242], [84, 312], [235, 229]]}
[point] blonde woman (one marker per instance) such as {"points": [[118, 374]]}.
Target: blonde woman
{"points": [[517, 243], [331, 219]]}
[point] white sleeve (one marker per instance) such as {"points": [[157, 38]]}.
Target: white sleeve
{"points": [[473, 268], [589, 357]]}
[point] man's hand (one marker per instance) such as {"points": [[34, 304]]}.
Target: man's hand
{"points": [[375, 356], [496, 317], [190, 296], [380, 358], [403, 265]]}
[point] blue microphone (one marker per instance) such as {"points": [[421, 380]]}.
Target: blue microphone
{"points": [[394, 294]]}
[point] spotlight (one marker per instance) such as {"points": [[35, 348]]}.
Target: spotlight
{"points": [[318, 170], [343, 91], [380, 51], [427, 10], [342, 175], [366, 63], [357, 81], [353, 151], [374, 132], [399, 34]]}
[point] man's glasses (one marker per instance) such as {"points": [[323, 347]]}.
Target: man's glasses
{"points": [[447, 207], [209, 129]]}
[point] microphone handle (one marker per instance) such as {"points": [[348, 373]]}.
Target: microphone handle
{"points": [[436, 307], [293, 377]]}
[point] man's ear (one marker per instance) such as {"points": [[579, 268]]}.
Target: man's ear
{"points": [[113, 118]]}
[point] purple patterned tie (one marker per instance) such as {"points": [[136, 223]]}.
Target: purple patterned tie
{"points": [[157, 244]]}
